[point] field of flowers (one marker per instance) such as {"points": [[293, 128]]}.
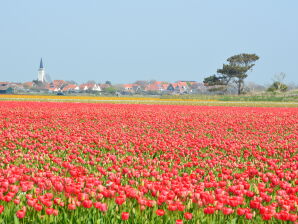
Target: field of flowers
{"points": [[109, 163]]}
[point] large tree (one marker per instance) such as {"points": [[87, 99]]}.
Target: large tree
{"points": [[217, 83], [234, 72]]}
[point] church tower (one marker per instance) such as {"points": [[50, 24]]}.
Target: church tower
{"points": [[41, 72]]}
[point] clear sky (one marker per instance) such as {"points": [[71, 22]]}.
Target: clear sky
{"points": [[125, 41]]}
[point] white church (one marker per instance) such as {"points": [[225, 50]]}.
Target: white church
{"points": [[41, 72]]}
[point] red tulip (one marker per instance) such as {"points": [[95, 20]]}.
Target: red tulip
{"points": [[71, 206], [87, 203], [188, 215], [49, 211], [55, 212], [103, 207], [124, 215], [21, 214], [209, 210], [248, 215], [16, 201], [37, 207], [241, 211], [120, 200], [160, 212], [227, 211]]}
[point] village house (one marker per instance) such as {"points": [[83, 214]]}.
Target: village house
{"points": [[71, 88], [128, 87], [132, 88], [104, 86], [56, 85], [89, 87], [28, 85], [157, 86], [180, 87], [5, 88]]}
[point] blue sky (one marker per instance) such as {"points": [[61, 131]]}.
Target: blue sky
{"points": [[125, 41]]}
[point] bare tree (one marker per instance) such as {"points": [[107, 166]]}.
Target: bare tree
{"points": [[278, 80], [279, 77]]}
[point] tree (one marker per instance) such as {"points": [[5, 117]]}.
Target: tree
{"points": [[278, 83], [280, 77], [237, 68], [213, 80], [234, 72], [110, 90], [216, 82], [108, 83], [278, 86]]}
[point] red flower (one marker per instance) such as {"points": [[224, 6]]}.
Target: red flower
{"points": [[55, 212], [49, 211], [227, 211], [21, 214], [16, 201], [293, 217], [71, 206], [87, 203], [267, 216], [188, 215], [37, 207], [120, 200], [1, 208], [248, 215], [103, 207], [160, 212], [209, 210], [172, 207], [124, 215], [241, 211]]}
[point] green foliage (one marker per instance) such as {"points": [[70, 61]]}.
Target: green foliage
{"points": [[230, 71], [234, 72], [262, 97], [243, 60], [278, 86], [213, 80], [110, 90], [237, 68]]}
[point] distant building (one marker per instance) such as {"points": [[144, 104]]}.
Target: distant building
{"points": [[131, 88], [71, 88], [5, 88], [157, 86], [41, 72], [89, 87]]}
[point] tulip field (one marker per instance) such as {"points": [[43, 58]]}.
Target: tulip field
{"points": [[133, 163]]}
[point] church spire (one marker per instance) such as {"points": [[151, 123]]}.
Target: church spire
{"points": [[41, 64], [41, 72]]}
